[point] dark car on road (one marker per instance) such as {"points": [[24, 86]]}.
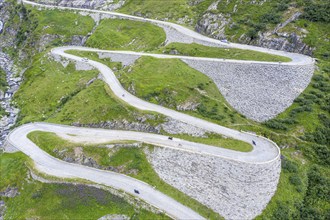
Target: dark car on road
{"points": [[136, 191]]}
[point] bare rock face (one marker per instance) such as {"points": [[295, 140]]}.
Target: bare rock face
{"points": [[2, 209], [1, 26], [214, 24], [290, 42], [10, 192], [108, 5], [8, 39]]}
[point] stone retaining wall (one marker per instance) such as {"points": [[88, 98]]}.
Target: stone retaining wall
{"points": [[258, 91], [235, 190]]}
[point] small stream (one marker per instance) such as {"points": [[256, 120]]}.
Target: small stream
{"points": [[13, 81]]}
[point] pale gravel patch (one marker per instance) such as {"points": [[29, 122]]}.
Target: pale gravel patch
{"points": [[83, 66], [65, 62], [114, 217], [173, 126], [125, 59], [83, 139]]}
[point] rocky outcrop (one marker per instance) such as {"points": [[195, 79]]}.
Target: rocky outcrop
{"points": [[285, 41], [1, 26], [9, 192], [79, 157], [46, 40], [2, 209], [235, 190], [13, 82], [107, 5], [8, 39], [290, 42], [213, 24], [123, 125]]}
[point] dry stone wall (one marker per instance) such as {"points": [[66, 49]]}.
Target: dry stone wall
{"points": [[108, 5], [258, 91], [234, 189]]}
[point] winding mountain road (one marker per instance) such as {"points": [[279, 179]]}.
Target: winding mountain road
{"points": [[265, 150]]}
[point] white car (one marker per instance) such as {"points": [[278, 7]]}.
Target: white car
{"points": [[84, 59]]}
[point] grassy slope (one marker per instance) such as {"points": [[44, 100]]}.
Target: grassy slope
{"points": [[126, 35], [32, 24], [309, 156], [157, 9], [3, 81], [288, 193], [2, 112], [170, 82], [247, 17], [147, 85], [70, 98], [98, 105], [58, 201], [183, 11], [3, 88], [48, 86], [63, 23], [197, 50], [126, 158]]}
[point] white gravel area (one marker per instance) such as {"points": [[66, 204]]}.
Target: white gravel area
{"points": [[173, 126], [83, 66]]}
